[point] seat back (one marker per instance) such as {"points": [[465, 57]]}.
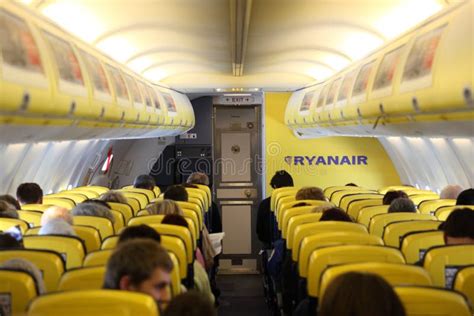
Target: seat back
{"points": [[464, 282], [150, 194], [442, 262], [97, 258], [415, 244], [291, 212], [418, 198], [176, 246], [35, 207], [89, 278], [125, 209], [404, 188], [329, 191], [285, 207], [430, 206], [207, 190], [354, 208], [393, 232], [182, 233], [311, 243], [366, 214], [6, 223], [140, 197], [50, 263], [175, 275], [102, 224], [18, 288], [94, 303], [279, 193], [347, 200], [344, 197], [59, 201], [193, 208], [110, 242], [89, 193], [77, 197], [297, 220], [442, 213], [94, 188], [394, 273], [201, 195], [432, 301], [283, 201], [71, 248], [378, 222], [119, 220], [322, 258], [33, 218], [90, 235]]}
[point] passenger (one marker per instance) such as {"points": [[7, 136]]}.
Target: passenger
{"points": [[392, 195], [144, 181], [360, 294], [93, 208], [28, 267], [7, 241], [310, 193], [140, 265], [57, 227], [7, 210], [11, 200], [176, 193], [54, 213], [201, 280], [266, 230], [402, 205], [459, 227], [139, 231], [198, 178], [29, 193], [335, 214], [191, 303], [466, 197], [114, 197], [450, 192], [164, 207]]}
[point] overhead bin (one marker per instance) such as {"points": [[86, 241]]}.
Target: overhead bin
{"points": [[56, 87], [420, 84]]}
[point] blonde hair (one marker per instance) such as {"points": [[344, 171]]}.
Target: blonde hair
{"points": [[310, 193], [114, 197], [164, 207]]}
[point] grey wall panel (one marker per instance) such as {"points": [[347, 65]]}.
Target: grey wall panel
{"points": [[203, 128]]}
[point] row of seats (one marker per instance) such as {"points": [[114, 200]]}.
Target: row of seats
{"points": [[379, 242], [78, 263]]}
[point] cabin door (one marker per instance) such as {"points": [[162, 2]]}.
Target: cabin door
{"points": [[237, 182]]}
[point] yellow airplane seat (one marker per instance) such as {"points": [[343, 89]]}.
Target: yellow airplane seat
{"points": [[17, 289], [97, 258], [109, 242], [345, 197], [193, 208], [94, 188], [297, 220], [419, 198], [354, 208], [464, 282], [94, 303], [90, 235], [432, 301], [291, 205], [140, 197], [322, 258], [77, 197], [394, 232], [150, 194], [347, 200], [50, 263], [7, 223], [91, 194], [378, 222], [33, 218], [290, 213], [125, 209], [279, 193], [394, 273], [102, 224], [89, 278], [35, 207], [366, 214], [414, 245], [443, 262], [311, 243], [182, 233], [119, 220], [59, 201], [430, 206], [442, 213], [71, 248]]}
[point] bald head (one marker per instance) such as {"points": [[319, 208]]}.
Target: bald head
{"points": [[56, 212]]}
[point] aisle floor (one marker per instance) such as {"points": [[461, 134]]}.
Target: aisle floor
{"points": [[241, 295]]}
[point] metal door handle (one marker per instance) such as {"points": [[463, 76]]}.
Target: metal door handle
{"points": [[248, 193]]}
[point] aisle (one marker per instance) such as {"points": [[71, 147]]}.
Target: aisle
{"points": [[241, 295]]}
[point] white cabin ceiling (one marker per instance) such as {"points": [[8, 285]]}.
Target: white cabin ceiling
{"points": [[187, 44]]}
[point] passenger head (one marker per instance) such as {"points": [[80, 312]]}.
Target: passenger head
{"points": [[92, 209], [402, 205], [173, 219], [191, 303], [335, 214], [310, 193], [10, 200], [466, 197], [56, 212], [450, 192], [139, 231], [459, 227], [7, 210], [144, 181], [28, 267], [281, 179], [360, 294], [176, 193], [114, 197], [7, 241], [29, 193], [392, 195], [140, 265], [57, 227], [164, 207], [198, 178]]}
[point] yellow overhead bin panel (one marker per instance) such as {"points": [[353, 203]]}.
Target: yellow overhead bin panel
{"points": [[137, 100], [293, 107], [24, 84], [121, 94], [159, 110], [304, 110], [152, 116], [171, 109]]}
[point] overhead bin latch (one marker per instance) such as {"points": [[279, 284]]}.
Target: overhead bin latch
{"points": [[416, 106], [25, 102], [467, 93], [72, 108]]}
